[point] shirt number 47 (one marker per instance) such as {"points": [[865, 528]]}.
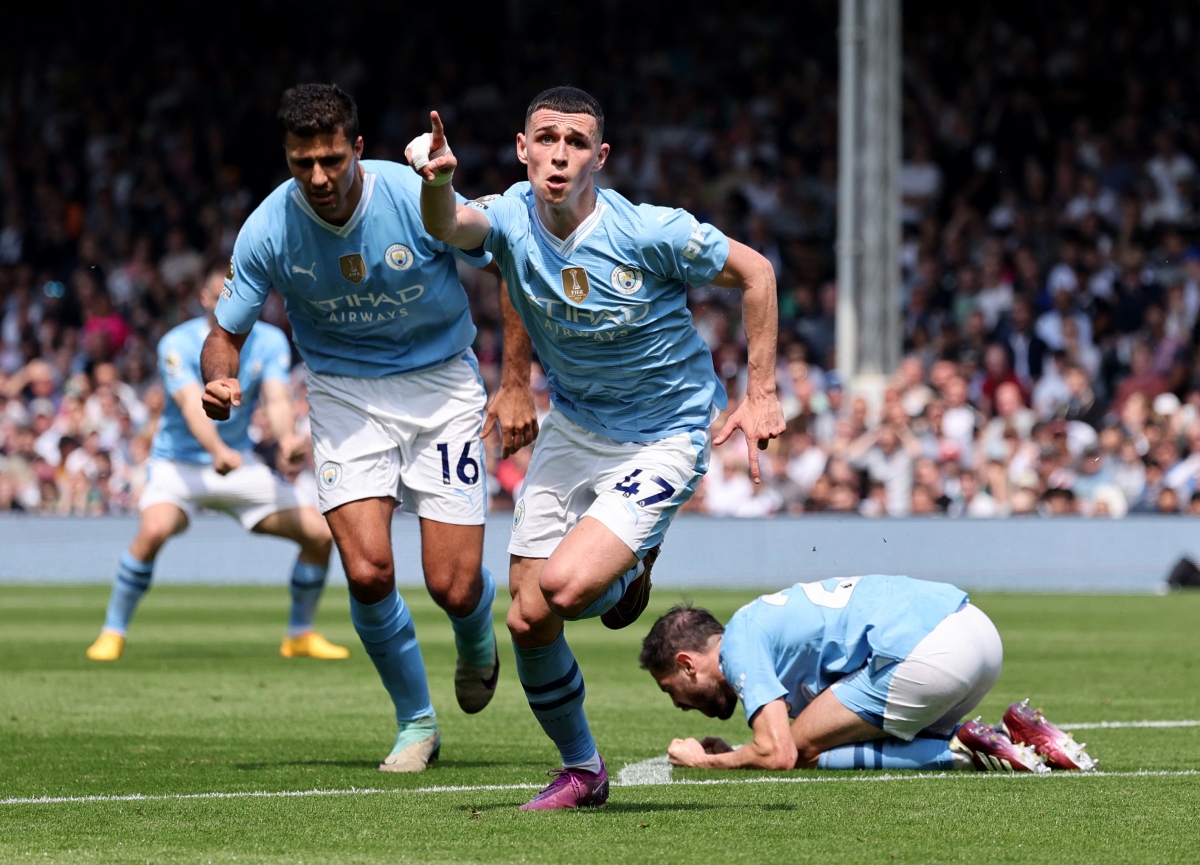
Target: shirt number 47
{"points": [[630, 488]]}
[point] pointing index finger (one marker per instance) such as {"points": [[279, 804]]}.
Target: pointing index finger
{"points": [[438, 131]]}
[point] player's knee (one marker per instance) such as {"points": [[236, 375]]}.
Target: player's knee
{"points": [[563, 595], [318, 542], [455, 590], [370, 576]]}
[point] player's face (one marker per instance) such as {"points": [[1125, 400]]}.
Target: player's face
{"points": [[697, 690], [326, 168], [210, 292], [562, 152]]}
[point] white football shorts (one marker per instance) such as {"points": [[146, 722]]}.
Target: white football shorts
{"points": [[248, 494], [633, 488], [412, 437], [943, 678]]}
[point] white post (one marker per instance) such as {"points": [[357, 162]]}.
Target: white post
{"points": [[868, 244]]}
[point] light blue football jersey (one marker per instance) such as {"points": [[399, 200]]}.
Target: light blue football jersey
{"points": [[607, 310], [372, 298], [266, 356], [796, 643]]}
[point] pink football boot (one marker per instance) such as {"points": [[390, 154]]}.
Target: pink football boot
{"points": [[571, 788], [992, 750], [1031, 728]]}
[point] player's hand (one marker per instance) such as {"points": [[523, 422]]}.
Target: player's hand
{"points": [[760, 418], [220, 395], [715, 745], [293, 448], [686, 752], [512, 407], [423, 154], [225, 461]]}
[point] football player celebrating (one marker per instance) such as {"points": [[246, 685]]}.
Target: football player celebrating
{"points": [[601, 286], [396, 401], [196, 463], [868, 672]]}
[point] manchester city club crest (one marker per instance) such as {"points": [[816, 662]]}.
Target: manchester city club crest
{"points": [[626, 278], [575, 284], [518, 514], [398, 257], [330, 475]]}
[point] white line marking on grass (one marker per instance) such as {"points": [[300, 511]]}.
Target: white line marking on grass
{"points": [[713, 782], [656, 770], [1117, 725]]}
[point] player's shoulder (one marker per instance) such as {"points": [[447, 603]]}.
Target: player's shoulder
{"points": [[269, 218], [394, 177], [191, 333], [643, 222]]}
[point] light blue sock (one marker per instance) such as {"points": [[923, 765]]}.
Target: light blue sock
{"points": [[133, 579], [609, 598], [308, 581], [387, 633], [554, 687], [921, 753], [473, 634]]}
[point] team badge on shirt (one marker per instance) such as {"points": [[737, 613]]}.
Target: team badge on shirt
{"points": [[481, 203], [330, 475], [575, 284], [626, 278], [398, 257], [353, 267], [519, 514], [174, 363]]}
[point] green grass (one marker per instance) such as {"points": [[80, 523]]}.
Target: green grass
{"points": [[202, 702]]}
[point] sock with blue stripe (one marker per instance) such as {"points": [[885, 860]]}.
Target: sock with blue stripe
{"points": [[387, 633], [473, 634], [611, 595], [308, 581], [554, 687], [929, 754], [133, 579]]}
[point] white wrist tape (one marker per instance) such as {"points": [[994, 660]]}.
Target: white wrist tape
{"points": [[420, 156]]}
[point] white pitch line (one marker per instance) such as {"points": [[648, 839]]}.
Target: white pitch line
{"points": [[713, 782], [1117, 725]]}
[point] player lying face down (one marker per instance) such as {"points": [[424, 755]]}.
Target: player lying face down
{"points": [[870, 672]]}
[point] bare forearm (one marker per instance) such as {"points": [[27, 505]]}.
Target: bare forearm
{"points": [[760, 317], [198, 424], [518, 349], [221, 355], [280, 417], [439, 211]]}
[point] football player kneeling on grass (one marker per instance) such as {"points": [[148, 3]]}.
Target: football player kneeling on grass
{"points": [[867, 672]]}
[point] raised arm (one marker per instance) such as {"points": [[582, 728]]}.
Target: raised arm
{"points": [[220, 360], [444, 218], [760, 417]]}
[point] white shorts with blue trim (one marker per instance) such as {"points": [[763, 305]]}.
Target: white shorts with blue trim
{"points": [[249, 493], [413, 437], [943, 678], [633, 488]]}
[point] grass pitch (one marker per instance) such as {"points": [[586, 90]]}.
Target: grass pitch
{"points": [[202, 703]]}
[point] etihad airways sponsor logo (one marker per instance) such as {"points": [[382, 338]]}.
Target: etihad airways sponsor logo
{"points": [[367, 307]]}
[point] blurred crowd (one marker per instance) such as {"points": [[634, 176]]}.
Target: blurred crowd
{"points": [[1051, 206]]}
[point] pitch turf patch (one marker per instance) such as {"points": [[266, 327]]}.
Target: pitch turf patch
{"points": [[202, 704]]}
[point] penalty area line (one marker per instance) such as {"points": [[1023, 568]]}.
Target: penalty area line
{"points": [[886, 777], [1119, 725]]}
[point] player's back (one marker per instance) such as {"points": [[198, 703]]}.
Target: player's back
{"points": [[815, 633], [372, 298], [607, 311], [265, 356]]}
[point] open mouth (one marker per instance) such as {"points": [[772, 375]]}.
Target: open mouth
{"points": [[556, 181], [321, 198]]}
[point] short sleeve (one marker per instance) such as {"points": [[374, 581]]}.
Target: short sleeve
{"points": [[478, 257], [277, 357], [247, 283], [749, 666], [501, 212], [678, 246], [177, 367]]}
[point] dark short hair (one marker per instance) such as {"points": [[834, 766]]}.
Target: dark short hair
{"points": [[307, 110], [683, 628], [568, 100]]}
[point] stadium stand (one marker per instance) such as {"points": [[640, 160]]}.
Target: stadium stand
{"points": [[1051, 205]]}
